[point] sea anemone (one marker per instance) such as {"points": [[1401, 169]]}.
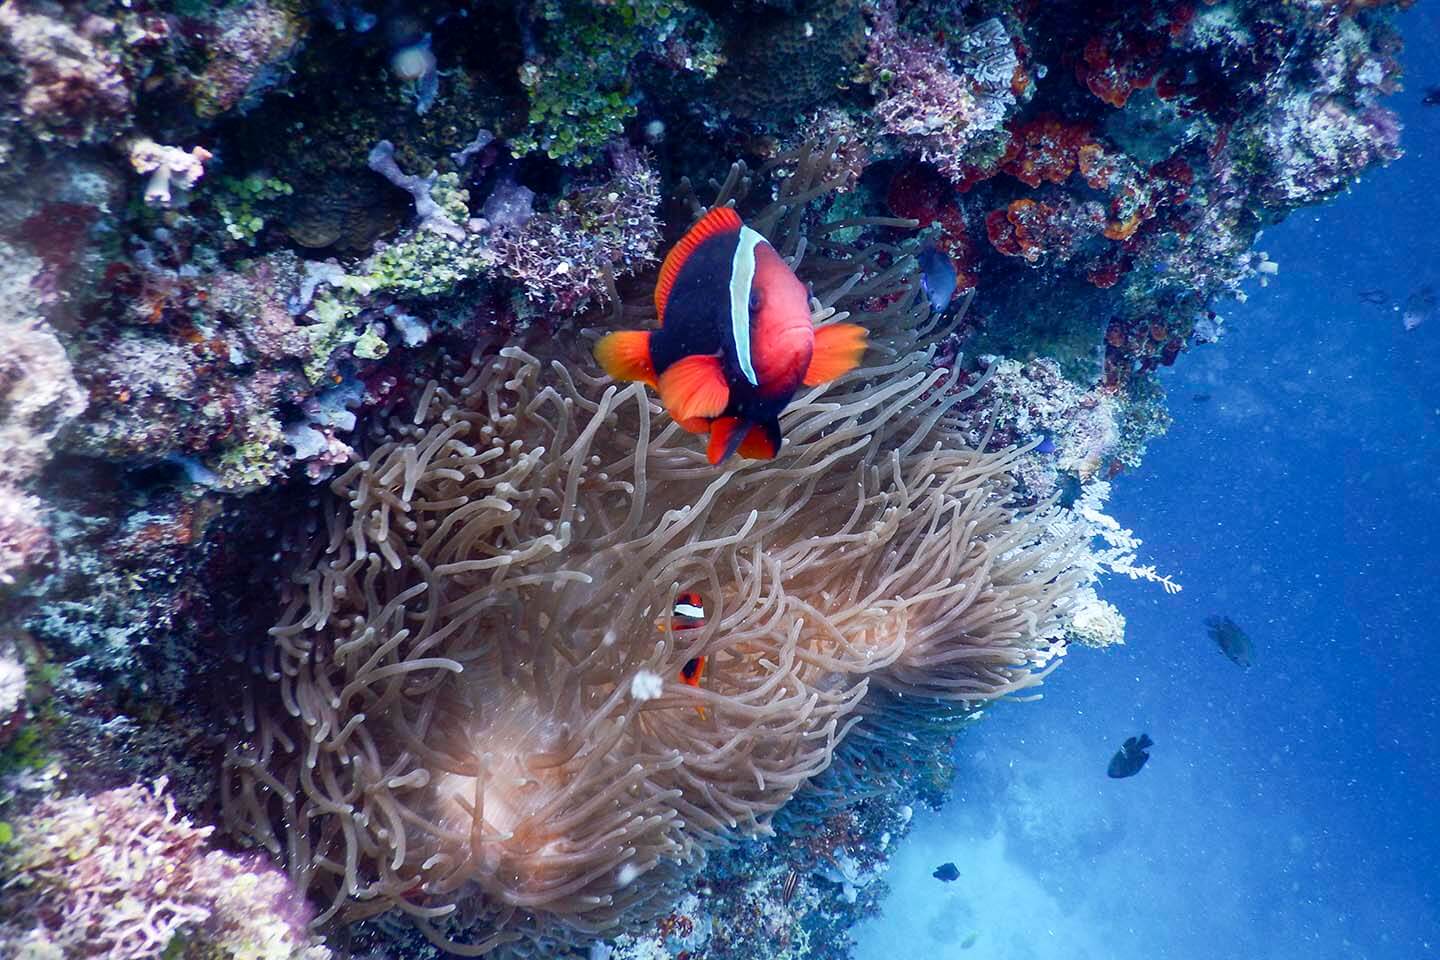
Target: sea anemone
{"points": [[456, 716]]}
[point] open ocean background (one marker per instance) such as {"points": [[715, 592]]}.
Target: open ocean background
{"points": [[1287, 811]]}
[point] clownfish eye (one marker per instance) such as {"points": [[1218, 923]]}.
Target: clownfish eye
{"points": [[754, 300]]}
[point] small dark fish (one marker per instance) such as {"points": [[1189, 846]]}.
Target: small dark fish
{"points": [[969, 941], [937, 276], [1432, 97], [1419, 307], [1047, 445], [1200, 397], [1236, 643], [1375, 297], [1070, 490], [1130, 757], [792, 880], [946, 873]]}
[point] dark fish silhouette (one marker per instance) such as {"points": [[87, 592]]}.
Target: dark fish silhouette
{"points": [[1235, 643], [937, 276], [946, 873], [1375, 296], [1432, 97], [1200, 397], [1419, 307], [1070, 490], [1130, 757]]}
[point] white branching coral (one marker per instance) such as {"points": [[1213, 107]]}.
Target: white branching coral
{"points": [[1122, 546], [1114, 549], [1095, 622]]}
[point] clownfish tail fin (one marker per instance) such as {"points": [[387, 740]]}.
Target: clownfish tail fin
{"points": [[753, 441], [625, 355], [762, 441], [838, 349], [726, 435]]}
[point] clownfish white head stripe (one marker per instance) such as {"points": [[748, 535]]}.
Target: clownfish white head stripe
{"points": [[742, 275], [694, 610]]}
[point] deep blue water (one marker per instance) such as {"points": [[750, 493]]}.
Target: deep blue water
{"points": [[1288, 811]]}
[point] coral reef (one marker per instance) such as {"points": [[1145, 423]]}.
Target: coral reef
{"points": [[494, 510], [121, 876], [308, 289]]}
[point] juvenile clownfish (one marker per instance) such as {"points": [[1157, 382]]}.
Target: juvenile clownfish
{"points": [[735, 341], [688, 613]]}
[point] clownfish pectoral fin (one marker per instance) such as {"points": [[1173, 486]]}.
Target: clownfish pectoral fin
{"points": [[762, 441], [694, 387], [726, 435], [719, 220], [838, 349], [625, 355]]}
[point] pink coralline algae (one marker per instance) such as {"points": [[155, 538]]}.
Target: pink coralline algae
{"points": [[928, 104], [122, 876], [244, 50], [38, 398], [74, 88]]}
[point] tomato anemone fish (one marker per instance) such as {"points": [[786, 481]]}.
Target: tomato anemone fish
{"points": [[736, 340], [688, 613]]}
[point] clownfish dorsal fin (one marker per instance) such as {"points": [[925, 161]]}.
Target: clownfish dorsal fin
{"points": [[719, 220], [694, 387], [838, 349]]}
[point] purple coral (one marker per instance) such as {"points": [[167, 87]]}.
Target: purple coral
{"points": [[382, 161], [566, 257], [121, 875]]}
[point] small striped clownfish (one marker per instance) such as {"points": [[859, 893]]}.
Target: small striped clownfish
{"points": [[688, 613], [735, 341]]}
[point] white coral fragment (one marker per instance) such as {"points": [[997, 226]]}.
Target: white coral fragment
{"points": [[646, 685], [167, 165]]}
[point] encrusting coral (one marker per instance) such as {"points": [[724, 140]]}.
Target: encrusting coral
{"points": [[479, 719], [121, 876]]}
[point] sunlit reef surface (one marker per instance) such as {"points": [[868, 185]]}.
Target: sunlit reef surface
{"points": [[296, 304]]}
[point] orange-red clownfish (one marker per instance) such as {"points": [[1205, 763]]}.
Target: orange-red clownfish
{"points": [[735, 341], [688, 613]]}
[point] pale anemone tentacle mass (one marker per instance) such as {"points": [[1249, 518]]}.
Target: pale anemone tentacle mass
{"points": [[445, 720]]}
